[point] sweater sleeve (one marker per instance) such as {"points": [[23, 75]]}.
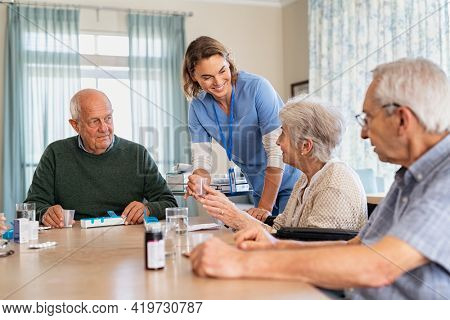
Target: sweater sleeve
{"points": [[156, 191], [42, 189]]}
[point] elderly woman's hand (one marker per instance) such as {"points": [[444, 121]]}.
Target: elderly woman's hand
{"points": [[259, 213], [219, 207], [211, 191], [215, 258], [255, 238]]}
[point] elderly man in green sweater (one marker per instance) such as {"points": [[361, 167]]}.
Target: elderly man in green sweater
{"points": [[96, 171]]}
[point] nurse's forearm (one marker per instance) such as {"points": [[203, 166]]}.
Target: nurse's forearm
{"points": [[272, 181]]}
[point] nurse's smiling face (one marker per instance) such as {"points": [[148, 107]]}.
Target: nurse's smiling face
{"points": [[214, 76]]}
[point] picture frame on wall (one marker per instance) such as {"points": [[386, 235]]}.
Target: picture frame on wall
{"points": [[301, 87]]}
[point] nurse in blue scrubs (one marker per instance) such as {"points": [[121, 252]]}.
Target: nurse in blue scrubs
{"points": [[240, 111]]}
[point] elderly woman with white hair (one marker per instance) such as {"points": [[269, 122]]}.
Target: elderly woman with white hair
{"points": [[328, 194]]}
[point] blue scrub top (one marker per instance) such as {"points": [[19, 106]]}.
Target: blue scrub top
{"points": [[256, 109]]}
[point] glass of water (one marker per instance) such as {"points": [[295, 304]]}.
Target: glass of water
{"points": [[178, 217], [26, 210], [200, 187], [170, 238]]}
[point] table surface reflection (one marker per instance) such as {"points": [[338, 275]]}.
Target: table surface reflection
{"points": [[108, 263]]}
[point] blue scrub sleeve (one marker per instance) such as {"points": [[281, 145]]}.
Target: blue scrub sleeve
{"points": [[196, 129], [268, 105]]}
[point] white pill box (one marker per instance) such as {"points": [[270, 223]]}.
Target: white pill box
{"points": [[101, 222], [21, 230]]}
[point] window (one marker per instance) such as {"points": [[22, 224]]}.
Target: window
{"points": [[49, 65], [104, 66]]}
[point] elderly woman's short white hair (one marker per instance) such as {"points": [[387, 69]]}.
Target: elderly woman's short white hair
{"points": [[310, 118], [419, 84]]}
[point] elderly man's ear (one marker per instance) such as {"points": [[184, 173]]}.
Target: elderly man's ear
{"points": [[74, 125], [406, 119]]}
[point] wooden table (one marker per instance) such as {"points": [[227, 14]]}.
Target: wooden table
{"points": [[375, 198], [108, 263]]}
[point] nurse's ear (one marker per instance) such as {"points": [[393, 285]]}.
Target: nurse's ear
{"points": [[192, 75]]}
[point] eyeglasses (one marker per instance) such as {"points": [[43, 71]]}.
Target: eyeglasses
{"points": [[363, 118]]}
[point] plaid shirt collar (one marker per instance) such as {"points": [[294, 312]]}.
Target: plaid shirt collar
{"points": [[426, 163]]}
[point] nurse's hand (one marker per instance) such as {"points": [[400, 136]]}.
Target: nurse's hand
{"points": [[258, 213], [194, 181], [194, 186]]}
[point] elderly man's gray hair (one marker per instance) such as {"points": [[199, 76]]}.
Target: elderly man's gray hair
{"points": [[419, 84], [75, 105], [309, 118]]}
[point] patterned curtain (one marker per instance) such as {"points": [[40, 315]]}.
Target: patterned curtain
{"points": [[41, 75], [158, 106], [348, 38]]}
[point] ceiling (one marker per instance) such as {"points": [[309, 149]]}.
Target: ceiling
{"points": [[271, 3]]}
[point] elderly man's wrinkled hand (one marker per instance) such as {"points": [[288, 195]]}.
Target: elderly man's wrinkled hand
{"points": [[254, 238], [53, 217], [134, 213], [215, 258]]}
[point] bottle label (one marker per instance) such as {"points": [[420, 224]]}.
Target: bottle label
{"points": [[156, 254]]}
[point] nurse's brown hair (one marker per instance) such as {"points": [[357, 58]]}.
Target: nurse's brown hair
{"points": [[203, 48]]}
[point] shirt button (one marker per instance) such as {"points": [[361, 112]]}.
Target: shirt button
{"points": [[405, 199], [419, 176]]}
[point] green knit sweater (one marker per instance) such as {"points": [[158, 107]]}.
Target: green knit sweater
{"points": [[93, 184]]}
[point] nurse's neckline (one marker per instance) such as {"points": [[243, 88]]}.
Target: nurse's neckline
{"points": [[224, 104]]}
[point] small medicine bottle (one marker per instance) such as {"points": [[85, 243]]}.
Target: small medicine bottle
{"points": [[154, 247]]}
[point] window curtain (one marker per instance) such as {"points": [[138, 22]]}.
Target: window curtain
{"points": [[158, 106], [42, 72], [349, 38]]}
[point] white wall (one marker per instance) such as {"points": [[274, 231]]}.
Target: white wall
{"points": [[267, 40], [295, 40]]}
